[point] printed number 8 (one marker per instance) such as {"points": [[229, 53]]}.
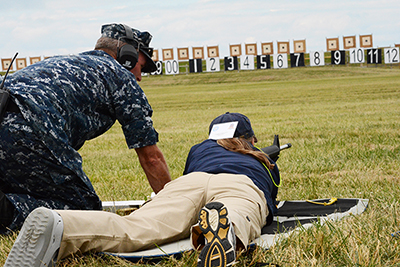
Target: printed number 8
{"points": [[317, 59]]}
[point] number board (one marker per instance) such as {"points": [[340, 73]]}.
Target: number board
{"points": [[212, 64], [159, 70], [297, 60], [280, 61], [317, 58], [357, 55], [195, 65], [247, 62], [171, 67], [264, 62], [374, 56], [338, 57], [391, 55], [231, 63]]}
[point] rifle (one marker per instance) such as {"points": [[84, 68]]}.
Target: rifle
{"points": [[274, 150]]}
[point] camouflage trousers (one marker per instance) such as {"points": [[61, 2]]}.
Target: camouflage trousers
{"points": [[30, 176]]}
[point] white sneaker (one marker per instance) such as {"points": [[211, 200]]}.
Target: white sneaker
{"points": [[219, 234], [39, 240]]}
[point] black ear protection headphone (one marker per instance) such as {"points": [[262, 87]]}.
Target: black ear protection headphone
{"points": [[127, 55]]}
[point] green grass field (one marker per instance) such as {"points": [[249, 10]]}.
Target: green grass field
{"points": [[343, 123]]}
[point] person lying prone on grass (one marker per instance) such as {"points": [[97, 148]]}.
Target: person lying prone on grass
{"points": [[226, 195]]}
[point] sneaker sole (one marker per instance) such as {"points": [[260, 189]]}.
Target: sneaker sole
{"points": [[38, 232], [218, 251]]}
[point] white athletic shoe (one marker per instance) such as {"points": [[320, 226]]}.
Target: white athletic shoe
{"points": [[219, 234], [39, 240]]}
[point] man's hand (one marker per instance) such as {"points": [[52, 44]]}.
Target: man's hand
{"points": [[154, 165]]}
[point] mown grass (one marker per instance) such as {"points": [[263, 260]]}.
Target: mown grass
{"points": [[343, 123]]}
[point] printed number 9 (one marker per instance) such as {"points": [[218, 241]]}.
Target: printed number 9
{"points": [[337, 57]]}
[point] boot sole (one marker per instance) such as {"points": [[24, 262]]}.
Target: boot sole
{"points": [[218, 251], [37, 243]]}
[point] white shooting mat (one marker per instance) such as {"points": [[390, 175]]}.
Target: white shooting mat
{"points": [[290, 215]]}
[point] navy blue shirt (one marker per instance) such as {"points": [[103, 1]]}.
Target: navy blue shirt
{"points": [[210, 157]]}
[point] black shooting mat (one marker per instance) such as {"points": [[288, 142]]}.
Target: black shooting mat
{"points": [[290, 213]]}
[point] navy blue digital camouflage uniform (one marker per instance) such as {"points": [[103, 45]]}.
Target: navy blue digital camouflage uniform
{"points": [[64, 101]]}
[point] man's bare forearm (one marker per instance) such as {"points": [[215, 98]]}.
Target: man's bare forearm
{"points": [[155, 167]]}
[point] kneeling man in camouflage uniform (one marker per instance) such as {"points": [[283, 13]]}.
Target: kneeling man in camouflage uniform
{"points": [[56, 105]]}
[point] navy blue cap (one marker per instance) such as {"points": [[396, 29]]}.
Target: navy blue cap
{"points": [[243, 128]]}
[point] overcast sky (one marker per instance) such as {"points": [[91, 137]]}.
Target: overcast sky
{"points": [[50, 27]]}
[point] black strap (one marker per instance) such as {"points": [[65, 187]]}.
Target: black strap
{"points": [[6, 211], [12, 107], [128, 32]]}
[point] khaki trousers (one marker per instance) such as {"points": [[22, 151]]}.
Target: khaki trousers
{"points": [[168, 217]]}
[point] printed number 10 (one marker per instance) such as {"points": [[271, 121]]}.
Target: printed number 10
{"points": [[357, 56]]}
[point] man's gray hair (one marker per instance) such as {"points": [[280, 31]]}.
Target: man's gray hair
{"points": [[106, 43]]}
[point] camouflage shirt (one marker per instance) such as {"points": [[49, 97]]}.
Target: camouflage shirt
{"points": [[70, 99]]}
